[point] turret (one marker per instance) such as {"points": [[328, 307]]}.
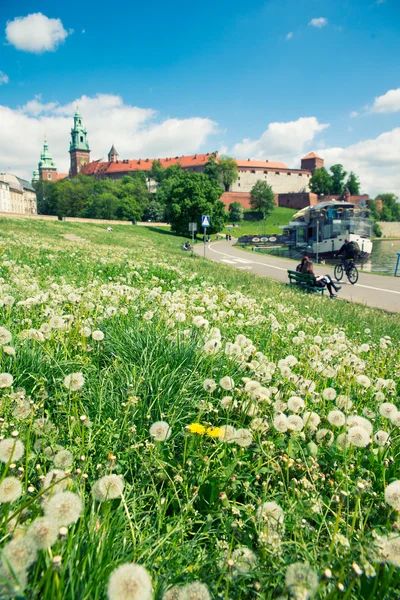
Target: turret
{"points": [[113, 155], [47, 170], [79, 146]]}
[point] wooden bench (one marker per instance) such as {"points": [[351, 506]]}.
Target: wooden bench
{"points": [[305, 281]]}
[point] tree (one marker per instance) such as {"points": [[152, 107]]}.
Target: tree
{"points": [[321, 182], [187, 196], [353, 184], [338, 176], [390, 207], [228, 171], [46, 195], [212, 169], [154, 212], [373, 210], [262, 198], [235, 212]]}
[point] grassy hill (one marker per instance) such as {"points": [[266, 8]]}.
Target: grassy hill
{"points": [[280, 216], [235, 438]]}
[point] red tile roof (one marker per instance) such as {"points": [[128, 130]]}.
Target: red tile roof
{"points": [[261, 164], [144, 164], [61, 176], [311, 155]]}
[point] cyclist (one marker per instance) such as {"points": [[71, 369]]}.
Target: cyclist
{"points": [[349, 251]]}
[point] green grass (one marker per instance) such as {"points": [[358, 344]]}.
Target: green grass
{"points": [[280, 216], [189, 503]]}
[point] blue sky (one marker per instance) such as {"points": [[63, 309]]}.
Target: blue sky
{"points": [[228, 70]]}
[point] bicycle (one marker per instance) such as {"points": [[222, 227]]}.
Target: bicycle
{"points": [[350, 269]]}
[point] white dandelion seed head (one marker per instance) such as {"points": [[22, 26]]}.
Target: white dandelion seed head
{"points": [[295, 404], [74, 381], [19, 554], [311, 420], [10, 490], [395, 419], [55, 481], [227, 402], [194, 591], [343, 402], [11, 449], [98, 335], [381, 438], [259, 424], [227, 434], [301, 581], [108, 488], [271, 513], [390, 549], [364, 381], [9, 350], [64, 508], [295, 423], [251, 386], [325, 435], [227, 383], [243, 437], [209, 385], [358, 436], [244, 559], [392, 494], [85, 331], [6, 380], [43, 532], [173, 593], [130, 582], [387, 409], [212, 346], [12, 584], [5, 336], [357, 420], [336, 418], [342, 440], [160, 431], [63, 460], [57, 322], [280, 423], [329, 393]]}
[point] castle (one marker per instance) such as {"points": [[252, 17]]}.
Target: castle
{"points": [[291, 186]]}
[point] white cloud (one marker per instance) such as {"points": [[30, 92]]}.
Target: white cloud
{"points": [[354, 114], [388, 103], [289, 36], [319, 22], [36, 33], [3, 78], [375, 161], [281, 141], [135, 131]]}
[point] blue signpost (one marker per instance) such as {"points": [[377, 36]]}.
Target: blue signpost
{"points": [[397, 264], [205, 222]]}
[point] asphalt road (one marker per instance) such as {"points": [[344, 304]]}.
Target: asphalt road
{"points": [[372, 290]]}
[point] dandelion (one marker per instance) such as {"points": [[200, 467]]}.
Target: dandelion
{"points": [[387, 409], [209, 385], [10, 490], [23, 410], [160, 431], [280, 423], [212, 346], [295, 404], [130, 582], [194, 591], [243, 560], [227, 433], [57, 323], [12, 584], [74, 381], [6, 380], [325, 435], [358, 436], [336, 418], [5, 336], [343, 402], [390, 549], [85, 332], [395, 419], [295, 423], [173, 593], [9, 350], [364, 381], [243, 437], [196, 428], [97, 335], [392, 494], [227, 402], [301, 581], [108, 488], [19, 554], [311, 420], [63, 460], [358, 421], [44, 532], [55, 481], [213, 432], [64, 508], [227, 383], [381, 438], [329, 394], [271, 512], [251, 386], [11, 449]]}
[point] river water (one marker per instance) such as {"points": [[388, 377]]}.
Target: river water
{"points": [[383, 258]]}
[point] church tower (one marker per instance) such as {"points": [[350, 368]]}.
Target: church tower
{"points": [[113, 155], [79, 147], [47, 170]]}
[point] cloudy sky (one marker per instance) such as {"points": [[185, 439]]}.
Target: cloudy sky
{"points": [[271, 79]]}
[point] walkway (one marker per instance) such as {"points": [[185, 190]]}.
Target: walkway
{"points": [[372, 290]]}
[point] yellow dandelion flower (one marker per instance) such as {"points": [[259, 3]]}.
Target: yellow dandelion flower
{"points": [[196, 428], [214, 431]]}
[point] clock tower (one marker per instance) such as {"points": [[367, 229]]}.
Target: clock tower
{"points": [[79, 147]]}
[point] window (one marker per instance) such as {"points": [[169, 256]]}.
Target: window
{"points": [[238, 184], [253, 172], [48, 175], [300, 174], [288, 173], [81, 138], [239, 178], [277, 173]]}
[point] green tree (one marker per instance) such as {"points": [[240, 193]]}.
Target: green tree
{"points": [[390, 207], [228, 171], [338, 176], [321, 182], [212, 169], [157, 172], [235, 212], [353, 184], [187, 196], [155, 211], [262, 198], [46, 195]]}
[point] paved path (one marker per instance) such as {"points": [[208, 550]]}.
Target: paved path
{"points": [[373, 290]]}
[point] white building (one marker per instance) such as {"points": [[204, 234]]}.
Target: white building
{"points": [[5, 197], [21, 194]]}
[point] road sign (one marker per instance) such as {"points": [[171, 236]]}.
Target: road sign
{"points": [[205, 221], [192, 227]]}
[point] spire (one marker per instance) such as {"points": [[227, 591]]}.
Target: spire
{"points": [[79, 139], [113, 155], [46, 159]]}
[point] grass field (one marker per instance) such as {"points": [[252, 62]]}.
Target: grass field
{"points": [[176, 429], [280, 216]]}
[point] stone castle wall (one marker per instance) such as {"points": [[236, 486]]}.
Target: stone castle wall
{"points": [[282, 182]]}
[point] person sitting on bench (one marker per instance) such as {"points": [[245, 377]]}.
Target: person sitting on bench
{"points": [[320, 280], [300, 265]]}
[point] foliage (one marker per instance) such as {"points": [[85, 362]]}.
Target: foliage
{"points": [[155, 211], [373, 210], [321, 182], [390, 207], [212, 169], [187, 196], [338, 176], [228, 171], [201, 347], [353, 184], [262, 198], [235, 212]]}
